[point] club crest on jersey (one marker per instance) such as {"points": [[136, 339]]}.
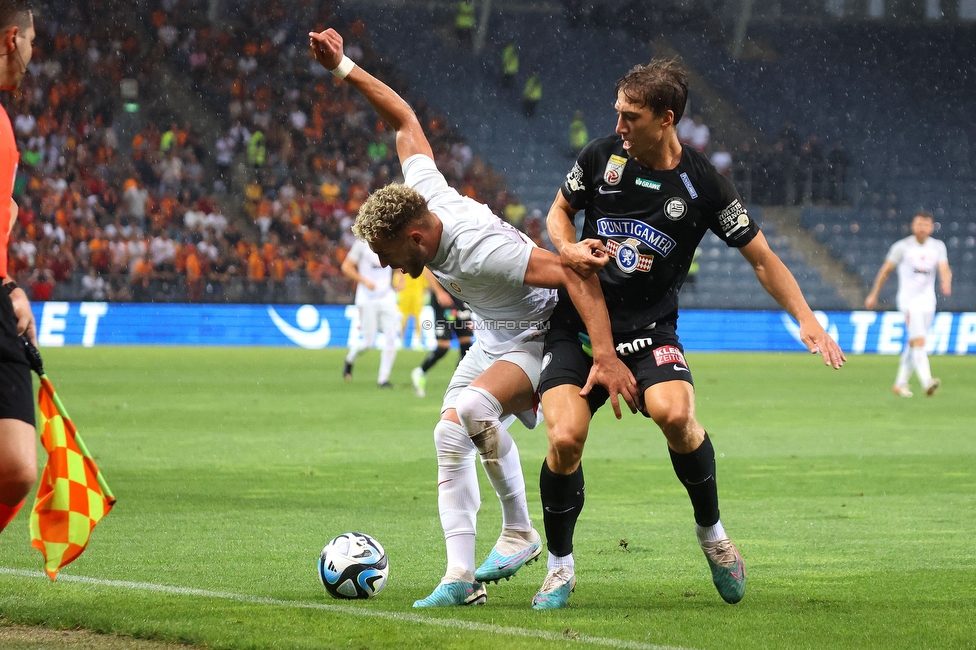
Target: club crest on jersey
{"points": [[454, 285], [615, 169], [629, 259], [675, 208]]}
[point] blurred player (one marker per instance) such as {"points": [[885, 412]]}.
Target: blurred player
{"points": [[493, 267], [452, 319], [377, 305], [410, 301], [650, 200], [917, 257], [18, 456]]}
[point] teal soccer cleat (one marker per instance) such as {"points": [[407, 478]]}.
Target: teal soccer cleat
{"points": [[452, 592], [728, 569], [512, 551], [555, 590]]}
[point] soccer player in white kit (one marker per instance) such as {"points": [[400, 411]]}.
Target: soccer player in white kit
{"points": [[917, 258], [377, 305], [508, 282]]}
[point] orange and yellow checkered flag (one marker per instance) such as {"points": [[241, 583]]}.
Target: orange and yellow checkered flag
{"points": [[73, 495]]}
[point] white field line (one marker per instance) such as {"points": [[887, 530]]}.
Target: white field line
{"points": [[354, 611]]}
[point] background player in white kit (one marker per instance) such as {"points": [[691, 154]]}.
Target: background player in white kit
{"points": [[493, 268], [917, 257], [377, 305]]}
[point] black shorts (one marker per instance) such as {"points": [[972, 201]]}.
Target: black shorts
{"points": [[451, 321], [653, 356], [16, 389]]}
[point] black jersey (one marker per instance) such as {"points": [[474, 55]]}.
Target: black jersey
{"points": [[651, 223]]}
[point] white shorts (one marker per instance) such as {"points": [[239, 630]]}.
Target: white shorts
{"points": [[526, 355], [383, 315], [918, 321]]}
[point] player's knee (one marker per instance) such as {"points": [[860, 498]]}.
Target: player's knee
{"points": [[565, 443], [451, 443], [17, 481], [675, 421], [475, 407]]}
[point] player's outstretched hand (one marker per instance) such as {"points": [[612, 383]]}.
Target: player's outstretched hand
{"points": [[586, 257], [614, 375], [817, 341], [326, 48]]}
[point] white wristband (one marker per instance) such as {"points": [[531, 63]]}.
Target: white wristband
{"points": [[344, 68]]}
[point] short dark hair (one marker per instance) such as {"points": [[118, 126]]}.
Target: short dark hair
{"points": [[661, 85], [925, 214], [16, 13]]}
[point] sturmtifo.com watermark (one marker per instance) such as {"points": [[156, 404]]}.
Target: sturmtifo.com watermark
{"points": [[491, 324]]}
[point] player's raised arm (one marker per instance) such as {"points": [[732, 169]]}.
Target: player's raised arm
{"points": [[326, 48]]}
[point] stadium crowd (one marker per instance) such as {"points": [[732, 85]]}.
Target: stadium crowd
{"points": [[260, 211]]}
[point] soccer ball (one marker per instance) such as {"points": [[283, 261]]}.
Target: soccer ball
{"points": [[353, 565]]}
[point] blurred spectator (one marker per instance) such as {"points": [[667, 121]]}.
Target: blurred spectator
{"points": [[464, 22], [722, 160], [579, 136], [837, 163], [531, 94], [510, 65], [700, 135]]}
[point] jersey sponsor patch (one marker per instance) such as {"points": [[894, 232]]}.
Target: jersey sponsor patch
{"points": [[574, 179], [733, 218], [653, 238], [627, 256], [457, 289], [675, 208], [669, 354], [647, 184], [615, 170], [688, 186]]}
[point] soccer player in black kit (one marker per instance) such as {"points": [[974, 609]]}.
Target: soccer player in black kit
{"points": [[649, 200]]}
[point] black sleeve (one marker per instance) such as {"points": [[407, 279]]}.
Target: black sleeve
{"points": [[579, 185], [729, 218]]}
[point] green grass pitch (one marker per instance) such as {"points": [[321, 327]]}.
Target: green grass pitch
{"points": [[853, 508]]}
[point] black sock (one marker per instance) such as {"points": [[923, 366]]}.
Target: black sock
{"points": [[696, 471], [435, 355], [464, 347], [562, 502]]}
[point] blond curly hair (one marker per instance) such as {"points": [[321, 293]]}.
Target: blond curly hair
{"points": [[387, 211]]}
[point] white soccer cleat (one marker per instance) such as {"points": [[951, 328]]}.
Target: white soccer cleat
{"points": [[933, 386], [901, 390], [419, 381]]}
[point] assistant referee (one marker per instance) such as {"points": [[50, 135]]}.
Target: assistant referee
{"points": [[18, 455]]}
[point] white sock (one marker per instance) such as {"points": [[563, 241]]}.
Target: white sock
{"points": [[554, 562], [354, 352], [711, 533], [921, 359], [458, 495], [386, 359], [479, 411], [505, 475], [905, 367]]}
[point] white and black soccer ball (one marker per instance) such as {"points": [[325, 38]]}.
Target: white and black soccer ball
{"points": [[353, 565]]}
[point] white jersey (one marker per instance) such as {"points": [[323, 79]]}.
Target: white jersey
{"points": [[481, 260], [368, 265], [917, 265]]}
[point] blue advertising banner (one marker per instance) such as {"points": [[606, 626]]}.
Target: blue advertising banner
{"points": [[319, 326]]}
